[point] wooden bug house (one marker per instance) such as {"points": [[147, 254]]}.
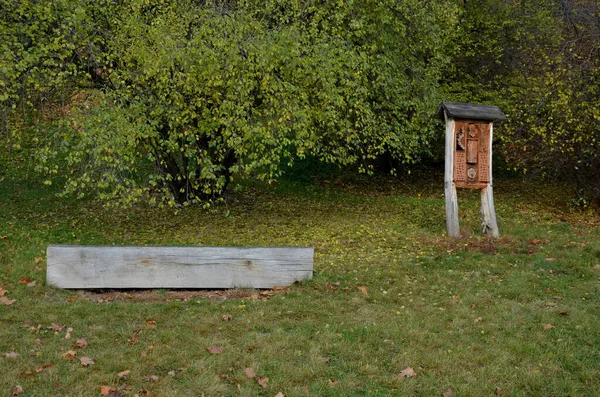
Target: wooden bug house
{"points": [[468, 165]]}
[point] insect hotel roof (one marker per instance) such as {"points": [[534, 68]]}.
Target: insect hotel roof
{"points": [[458, 110]]}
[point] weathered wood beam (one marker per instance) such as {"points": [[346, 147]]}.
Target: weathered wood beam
{"points": [[176, 267], [452, 226]]}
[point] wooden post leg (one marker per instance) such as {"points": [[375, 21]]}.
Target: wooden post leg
{"points": [[489, 224], [452, 227]]}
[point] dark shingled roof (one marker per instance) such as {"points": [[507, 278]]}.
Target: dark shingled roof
{"points": [[472, 111]]}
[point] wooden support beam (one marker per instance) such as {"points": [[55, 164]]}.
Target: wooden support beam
{"points": [[452, 226], [176, 267]]}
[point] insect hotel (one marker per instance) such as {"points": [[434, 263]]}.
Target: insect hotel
{"points": [[468, 165]]}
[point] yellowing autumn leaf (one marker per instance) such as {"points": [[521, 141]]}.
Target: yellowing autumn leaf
{"points": [[123, 374], [105, 390]]}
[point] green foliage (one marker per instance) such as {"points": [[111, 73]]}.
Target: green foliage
{"points": [[540, 62], [195, 95]]}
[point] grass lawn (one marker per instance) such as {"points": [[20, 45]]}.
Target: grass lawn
{"points": [[519, 316]]}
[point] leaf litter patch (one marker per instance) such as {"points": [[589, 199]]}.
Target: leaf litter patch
{"points": [[151, 295]]}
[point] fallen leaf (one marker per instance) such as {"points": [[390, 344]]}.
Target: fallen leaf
{"points": [[215, 349], [455, 299], [17, 390], [6, 302], [123, 374], [280, 394], [70, 355], [172, 372], [37, 370], [362, 289], [478, 319], [12, 355], [278, 288], [407, 372], [563, 314], [68, 335], [332, 383], [550, 259], [134, 338], [262, 381], [105, 390], [81, 343], [3, 291], [37, 260], [114, 393], [24, 280], [331, 287], [56, 328], [447, 393], [86, 361], [500, 391], [151, 323], [151, 378], [597, 267], [547, 326], [249, 372], [226, 317], [32, 284]]}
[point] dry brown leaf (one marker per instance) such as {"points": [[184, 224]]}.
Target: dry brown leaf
{"points": [[123, 374], [547, 326], [134, 338], [105, 390], [447, 393], [226, 317], [81, 343], [68, 335], [70, 355], [86, 361], [564, 314], [151, 323], [278, 288], [3, 291], [407, 372], [151, 378], [37, 260], [596, 267], [24, 280], [455, 299], [249, 372], [32, 284], [362, 289], [332, 383], [478, 319], [56, 328], [262, 381], [12, 355], [37, 370], [500, 391], [17, 390], [215, 349], [6, 302]]}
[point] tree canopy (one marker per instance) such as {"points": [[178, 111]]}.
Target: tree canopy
{"points": [[169, 102]]}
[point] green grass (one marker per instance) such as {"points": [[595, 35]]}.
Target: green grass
{"points": [[465, 314]]}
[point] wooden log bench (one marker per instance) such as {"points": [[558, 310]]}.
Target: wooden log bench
{"points": [[70, 266]]}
